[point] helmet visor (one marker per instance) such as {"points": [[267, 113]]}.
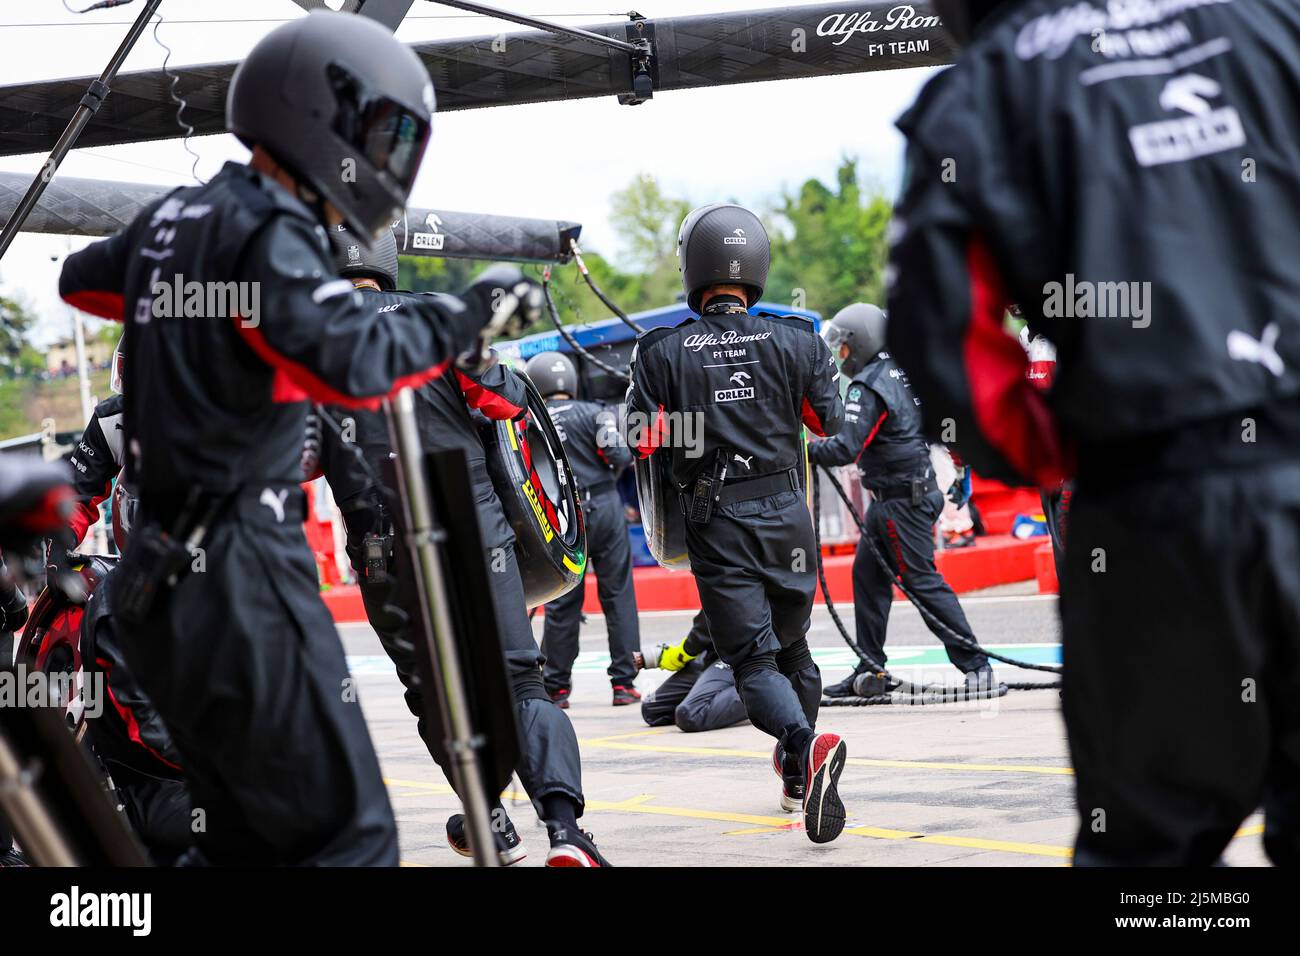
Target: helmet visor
{"points": [[115, 376], [386, 134], [835, 336]]}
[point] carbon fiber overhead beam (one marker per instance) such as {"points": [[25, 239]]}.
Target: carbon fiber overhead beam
{"points": [[529, 67], [94, 207]]}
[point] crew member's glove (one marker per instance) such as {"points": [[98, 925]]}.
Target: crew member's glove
{"points": [[958, 492], [60, 573], [673, 657]]}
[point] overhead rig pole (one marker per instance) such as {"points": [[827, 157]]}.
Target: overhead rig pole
{"points": [[90, 102]]}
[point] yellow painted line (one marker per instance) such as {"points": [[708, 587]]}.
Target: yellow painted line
{"points": [[610, 743], [648, 732], [759, 823], [423, 866], [1255, 829]]}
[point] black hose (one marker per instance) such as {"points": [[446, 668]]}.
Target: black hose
{"points": [[925, 612], [568, 336], [582, 267]]}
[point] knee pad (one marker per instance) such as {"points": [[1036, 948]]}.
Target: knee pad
{"points": [[754, 664], [794, 657]]}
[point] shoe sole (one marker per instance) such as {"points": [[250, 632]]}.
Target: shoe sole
{"points": [[626, 701], [570, 856], [823, 811], [507, 857]]}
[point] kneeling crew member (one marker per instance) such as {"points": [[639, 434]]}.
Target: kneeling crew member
{"points": [[700, 693], [447, 411], [882, 434], [596, 454], [754, 381], [243, 660]]}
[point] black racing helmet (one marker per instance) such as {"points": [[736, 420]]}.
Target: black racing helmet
{"points": [[344, 106], [722, 244], [353, 260], [552, 372], [861, 327]]}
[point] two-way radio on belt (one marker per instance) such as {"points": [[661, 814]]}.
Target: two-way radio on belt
{"points": [[906, 692]]}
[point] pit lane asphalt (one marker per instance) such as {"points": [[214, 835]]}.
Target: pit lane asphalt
{"points": [[979, 784]]}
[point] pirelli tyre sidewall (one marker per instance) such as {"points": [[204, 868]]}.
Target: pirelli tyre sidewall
{"points": [[50, 642], [531, 475], [661, 512]]}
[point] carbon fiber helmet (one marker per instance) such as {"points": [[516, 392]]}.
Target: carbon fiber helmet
{"points": [[961, 17], [861, 327], [722, 244], [344, 106], [552, 372], [352, 260]]}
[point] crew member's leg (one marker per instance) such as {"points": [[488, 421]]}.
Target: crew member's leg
{"points": [[660, 705], [245, 666], [1177, 660], [712, 702], [903, 534], [560, 640], [752, 566], [612, 555]]}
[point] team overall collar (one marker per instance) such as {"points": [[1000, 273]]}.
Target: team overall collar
{"points": [[724, 305]]}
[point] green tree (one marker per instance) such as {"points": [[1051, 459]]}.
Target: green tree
{"points": [[828, 244], [18, 357]]}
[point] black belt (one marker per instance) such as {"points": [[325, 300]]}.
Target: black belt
{"points": [[591, 491], [759, 487], [902, 491]]}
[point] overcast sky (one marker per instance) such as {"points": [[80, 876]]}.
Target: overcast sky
{"points": [[553, 160]]}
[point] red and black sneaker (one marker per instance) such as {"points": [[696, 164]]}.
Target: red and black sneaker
{"points": [[791, 783], [823, 811], [626, 694], [571, 846], [560, 698], [510, 849]]}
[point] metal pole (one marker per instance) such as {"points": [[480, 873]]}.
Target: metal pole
{"points": [[453, 700], [32, 823], [621, 45], [95, 95]]}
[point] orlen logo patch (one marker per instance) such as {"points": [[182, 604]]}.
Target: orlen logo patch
{"points": [[427, 240], [732, 394]]}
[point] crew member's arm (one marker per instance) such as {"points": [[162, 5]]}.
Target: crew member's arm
{"points": [[498, 393], [947, 303], [93, 470], [92, 278], [822, 411], [864, 413], [646, 421], [321, 334], [611, 448]]}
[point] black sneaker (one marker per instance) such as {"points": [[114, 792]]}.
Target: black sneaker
{"points": [[12, 857], [625, 695], [980, 681], [845, 687], [823, 811], [571, 846], [560, 698], [510, 849], [791, 783]]}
